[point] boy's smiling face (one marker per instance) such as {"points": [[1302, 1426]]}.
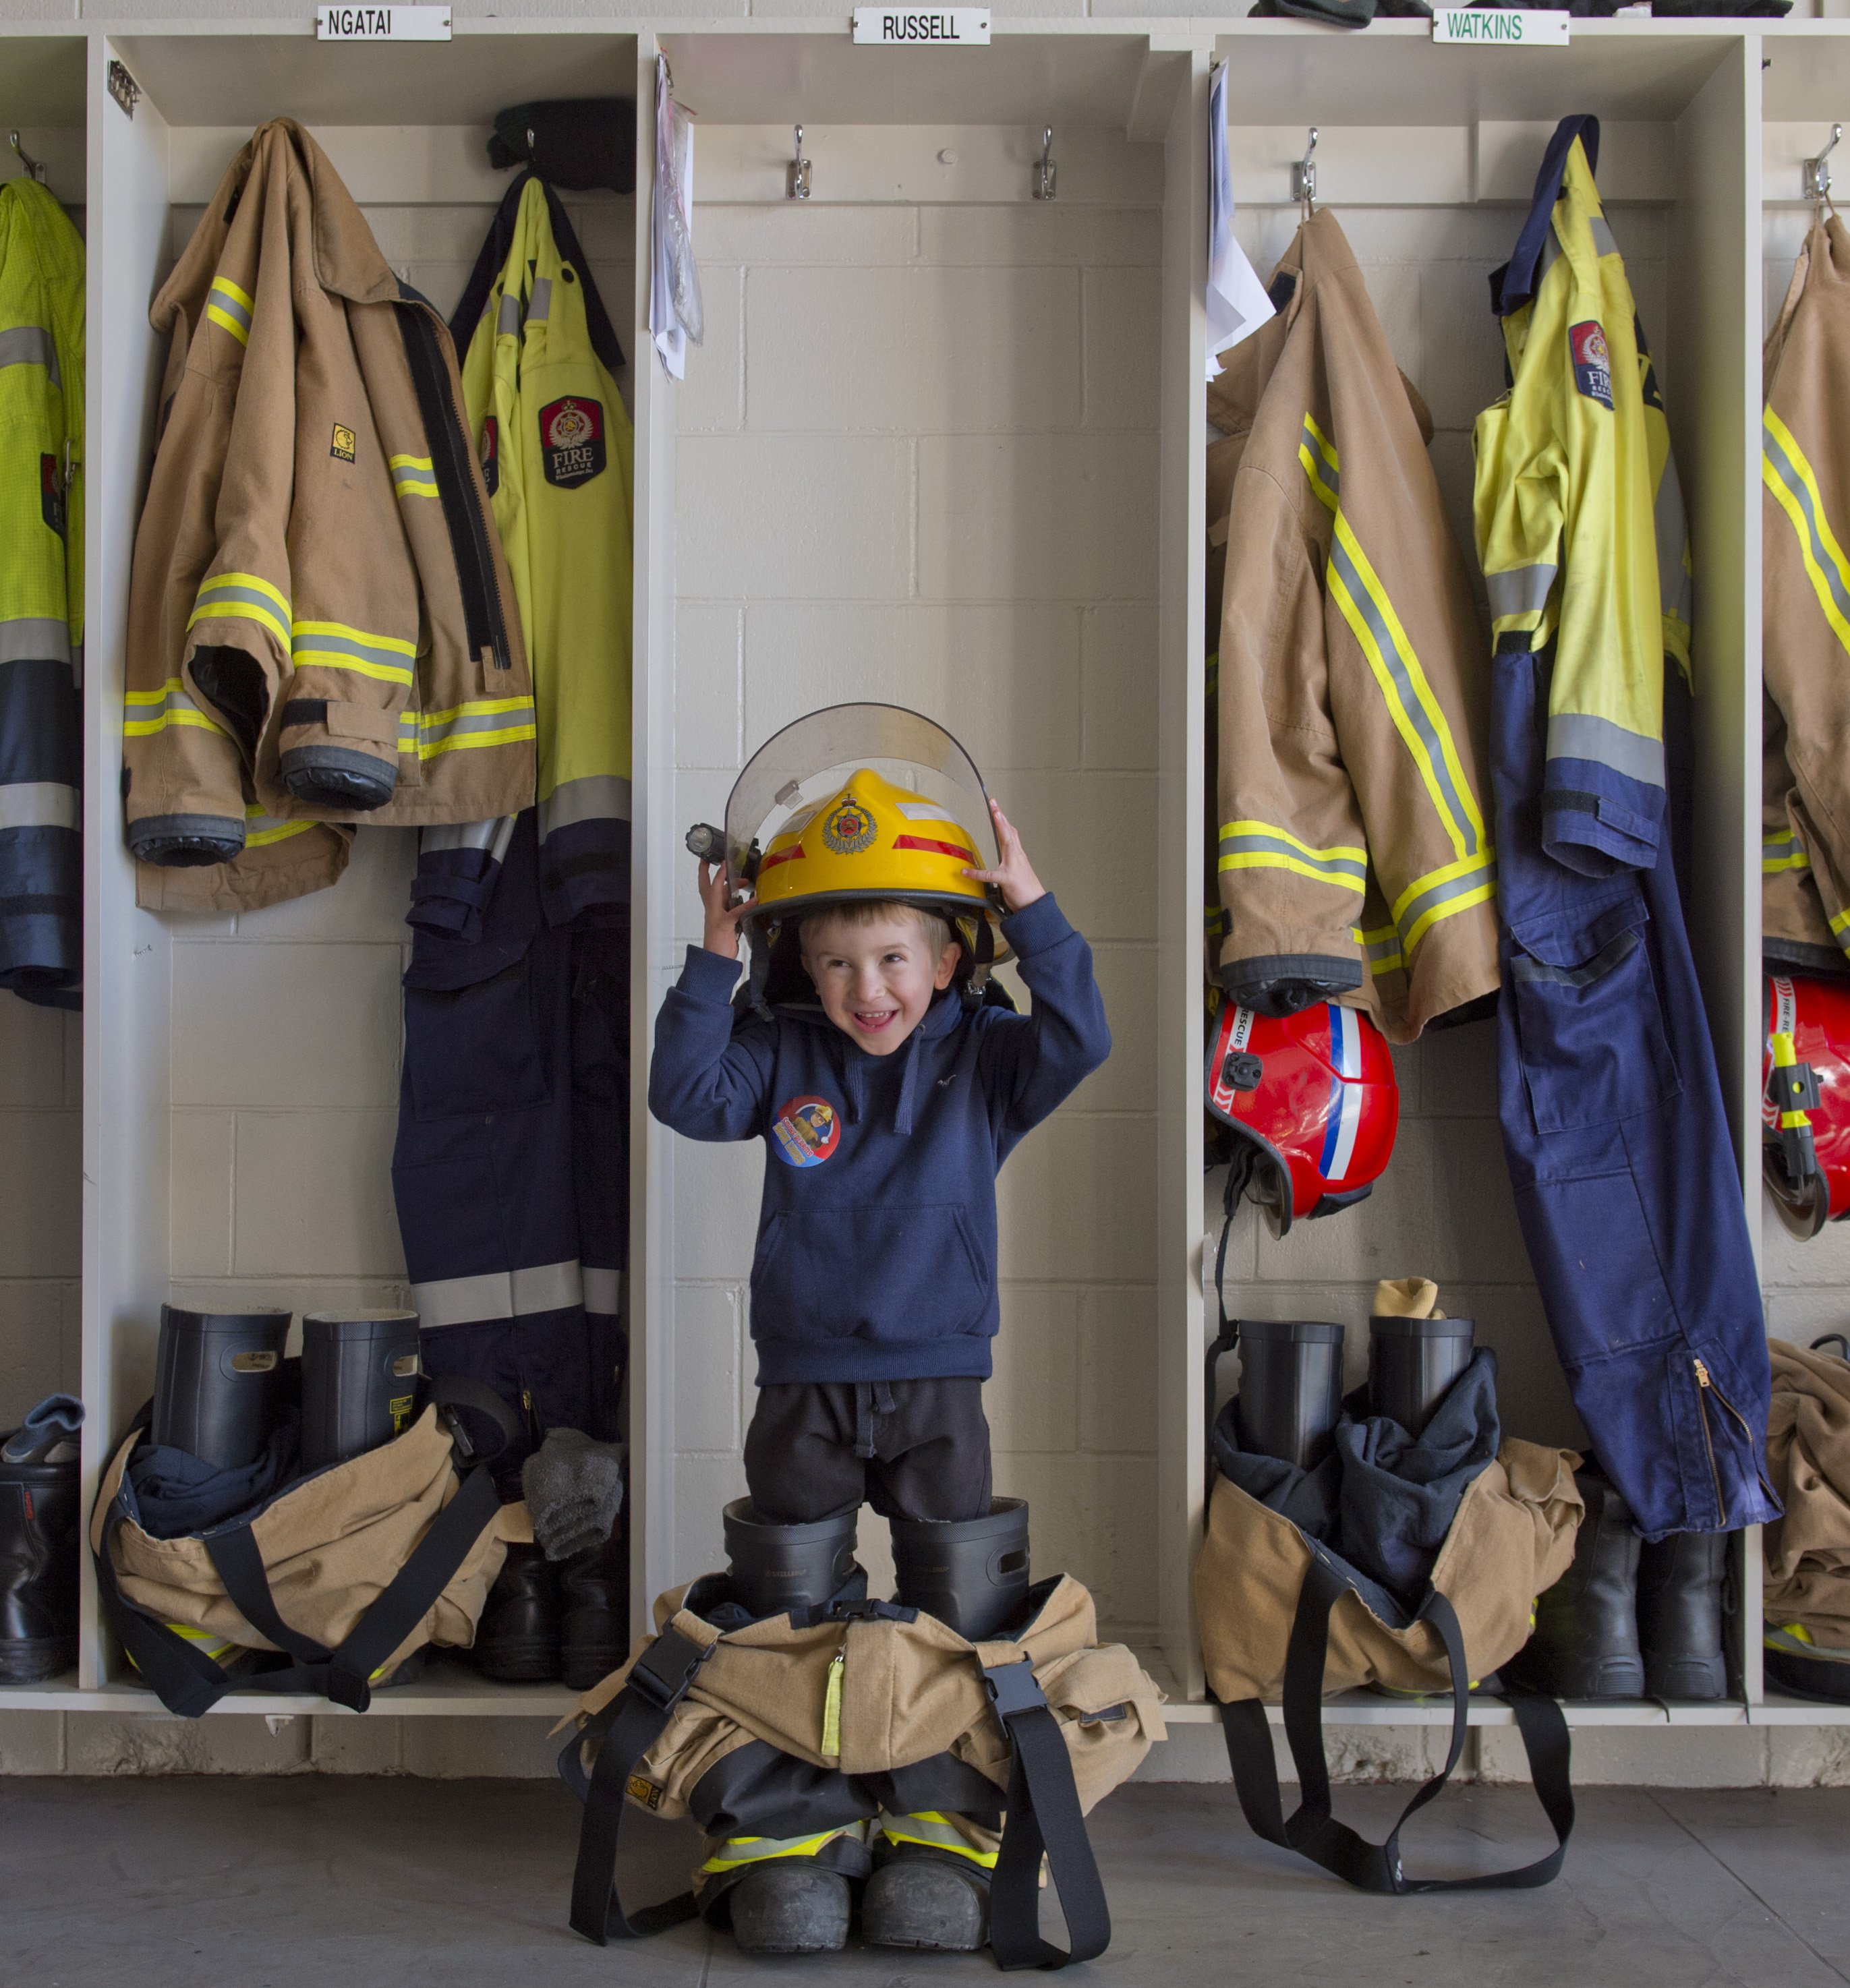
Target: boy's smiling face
{"points": [[876, 980]]}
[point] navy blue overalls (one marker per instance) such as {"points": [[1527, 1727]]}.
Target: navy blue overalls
{"points": [[1626, 1183]]}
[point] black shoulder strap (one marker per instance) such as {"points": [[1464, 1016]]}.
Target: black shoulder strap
{"points": [[1313, 1830], [626, 1729], [189, 1683], [1042, 1816]]}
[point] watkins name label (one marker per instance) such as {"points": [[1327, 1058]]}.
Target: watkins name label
{"points": [[922, 27], [1518, 28], [382, 24]]}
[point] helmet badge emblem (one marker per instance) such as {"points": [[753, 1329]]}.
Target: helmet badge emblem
{"points": [[849, 827]]}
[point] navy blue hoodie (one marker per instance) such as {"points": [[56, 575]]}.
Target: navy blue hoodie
{"points": [[876, 1256]]}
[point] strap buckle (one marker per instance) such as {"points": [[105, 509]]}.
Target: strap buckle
{"points": [[661, 1676], [1013, 1687]]}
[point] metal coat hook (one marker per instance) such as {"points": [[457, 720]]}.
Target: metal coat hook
{"points": [[1818, 175], [1047, 172], [32, 165], [1303, 177], [797, 175]]}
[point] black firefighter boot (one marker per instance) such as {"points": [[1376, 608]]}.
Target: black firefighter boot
{"points": [[595, 1612], [930, 1889], [1680, 1582], [40, 1542], [1585, 1640], [517, 1639]]}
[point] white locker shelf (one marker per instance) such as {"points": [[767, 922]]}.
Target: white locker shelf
{"points": [[1084, 403]]}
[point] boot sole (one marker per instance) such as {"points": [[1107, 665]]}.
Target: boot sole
{"points": [[33, 1663]]}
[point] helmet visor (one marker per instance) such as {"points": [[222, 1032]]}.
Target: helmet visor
{"points": [[806, 761]]}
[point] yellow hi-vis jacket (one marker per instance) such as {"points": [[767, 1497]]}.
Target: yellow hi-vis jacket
{"points": [[1805, 470], [1579, 520], [320, 625], [1354, 855], [41, 595], [557, 449]]}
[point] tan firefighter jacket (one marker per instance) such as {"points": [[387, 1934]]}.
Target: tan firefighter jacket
{"points": [[1353, 854], [320, 619], [1805, 470]]}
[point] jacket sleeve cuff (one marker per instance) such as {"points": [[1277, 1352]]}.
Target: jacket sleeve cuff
{"points": [[1594, 830], [1038, 928], [709, 976]]}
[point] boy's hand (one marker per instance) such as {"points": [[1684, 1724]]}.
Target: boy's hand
{"points": [[1014, 873], [722, 918]]}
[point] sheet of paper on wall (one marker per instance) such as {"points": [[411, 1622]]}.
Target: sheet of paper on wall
{"points": [[675, 317], [1237, 302]]}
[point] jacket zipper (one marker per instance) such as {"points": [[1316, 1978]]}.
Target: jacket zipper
{"points": [[1705, 1388], [469, 541]]}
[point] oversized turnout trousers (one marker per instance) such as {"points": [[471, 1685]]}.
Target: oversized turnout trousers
{"points": [[1626, 1184]]}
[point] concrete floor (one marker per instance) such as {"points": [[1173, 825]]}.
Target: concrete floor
{"points": [[303, 1882]]}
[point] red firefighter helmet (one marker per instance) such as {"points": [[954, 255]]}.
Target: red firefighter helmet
{"points": [[1805, 1100], [1312, 1101]]}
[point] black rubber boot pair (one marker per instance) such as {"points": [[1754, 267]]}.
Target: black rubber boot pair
{"points": [[1628, 1620], [568, 1622], [929, 1900]]}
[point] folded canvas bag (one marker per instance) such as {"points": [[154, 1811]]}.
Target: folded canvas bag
{"points": [[1047, 1719], [346, 1572]]}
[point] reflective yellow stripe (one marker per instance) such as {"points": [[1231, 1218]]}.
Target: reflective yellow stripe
{"points": [[1441, 893], [1336, 848], [1839, 922], [461, 728], [1342, 865], [929, 1827], [1382, 947], [1273, 858], [230, 308], [176, 707], [244, 595], [1357, 589], [1787, 474], [412, 475], [332, 645], [232, 290], [1782, 852], [736, 1850], [260, 830]]}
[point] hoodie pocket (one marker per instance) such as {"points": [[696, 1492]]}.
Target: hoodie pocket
{"points": [[891, 1275]]}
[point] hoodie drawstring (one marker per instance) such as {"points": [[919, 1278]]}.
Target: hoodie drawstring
{"points": [[871, 1398]]}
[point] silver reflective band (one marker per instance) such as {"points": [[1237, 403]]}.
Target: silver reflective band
{"points": [[500, 1294], [602, 1291], [34, 638], [1523, 590], [28, 345], [40, 804], [1575, 735], [540, 306], [1351, 872], [507, 319], [598, 797], [493, 835], [1602, 234]]}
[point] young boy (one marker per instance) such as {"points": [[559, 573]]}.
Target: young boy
{"points": [[888, 1094]]}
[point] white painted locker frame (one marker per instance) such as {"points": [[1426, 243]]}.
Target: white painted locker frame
{"points": [[125, 1027]]}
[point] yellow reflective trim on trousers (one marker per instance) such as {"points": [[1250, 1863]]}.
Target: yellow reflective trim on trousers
{"points": [[1789, 476], [1382, 947], [761, 1849], [244, 595], [1358, 592], [1330, 855], [929, 1828], [1273, 859], [176, 707], [1455, 887], [1342, 865]]}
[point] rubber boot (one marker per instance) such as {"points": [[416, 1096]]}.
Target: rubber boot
{"points": [[1585, 1640], [1412, 1363], [934, 1901], [359, 1382], [970, 1574], [219, 1383], [1679, 1615], [777, 1568], [40, 1546], [790, 1905], [1290, 1388], [517, 1639], [595, 1612]]}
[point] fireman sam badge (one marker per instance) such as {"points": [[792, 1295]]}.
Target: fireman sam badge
{"points": [[849, 828], [345, 442], [1592, 362], [806, 1131], [571, 440], [491, 453]]}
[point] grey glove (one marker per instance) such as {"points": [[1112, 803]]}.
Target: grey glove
{"points": [[573, 1489]]}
